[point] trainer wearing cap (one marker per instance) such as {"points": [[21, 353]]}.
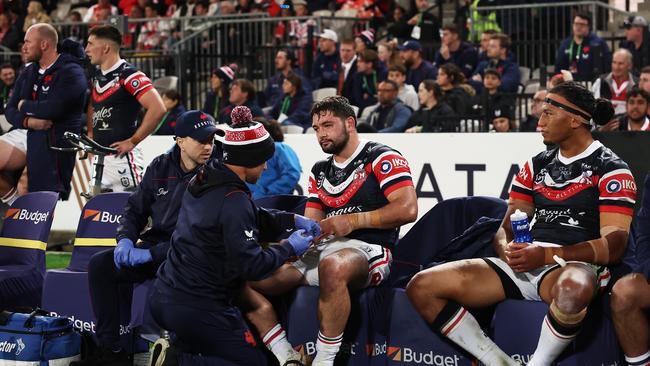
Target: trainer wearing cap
{"points": [[158, 197], [417, 68], [325, 71], [637, 41], [215, 248]]}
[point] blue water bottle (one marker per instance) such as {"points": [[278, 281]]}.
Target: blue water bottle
{"points": [[520, 227]]}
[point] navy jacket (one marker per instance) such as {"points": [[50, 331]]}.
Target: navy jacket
{"points": [[158, 196], [215, 248], [510, 75], [585, 62], [642, 231], [58, 97], [423, 72], [168, 123], [640, 56], [224, 114], [325, 71], [273, 91], [211, 107], [465, 57], [299, 109]]}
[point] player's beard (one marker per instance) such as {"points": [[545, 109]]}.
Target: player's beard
{"points": [[337, 145]]}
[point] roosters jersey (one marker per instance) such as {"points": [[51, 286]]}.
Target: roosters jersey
{"points": [[115, 95], [570, 193], [360, 184]]}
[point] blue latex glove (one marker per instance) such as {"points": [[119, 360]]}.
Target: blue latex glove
{"points": [[310, 226], [121, 252], [126, 254], [300, 241]]}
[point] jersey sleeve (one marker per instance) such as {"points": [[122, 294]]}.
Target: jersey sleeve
{"points": [[522, 185], [392, 171], [617, 190], [313, 201], [137, 84]]}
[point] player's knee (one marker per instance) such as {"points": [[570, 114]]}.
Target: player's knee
{"points": [[332, 274], [259, 310], [625, 292], [573, 294], [418, 290]]}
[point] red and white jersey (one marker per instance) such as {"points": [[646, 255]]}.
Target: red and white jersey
{"points": [[360, 184], [570, 193]]}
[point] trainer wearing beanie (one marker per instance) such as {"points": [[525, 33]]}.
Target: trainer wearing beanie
{"points": [[158, 197], [215, 248]]}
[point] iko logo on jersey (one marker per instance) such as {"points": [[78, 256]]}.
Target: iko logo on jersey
{"points": [[35, 217], [408, 355], [101, 216], [15, 347]]}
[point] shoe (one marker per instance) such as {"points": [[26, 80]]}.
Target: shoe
{"points": [[163, 354], [294, 363], [104, 357], [296, 359]]}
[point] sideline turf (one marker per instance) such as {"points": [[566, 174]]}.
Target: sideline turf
{"points": [[54, 260]]}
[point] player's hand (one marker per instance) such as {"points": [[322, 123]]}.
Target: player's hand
{"points": [[39, 124], [524, 257], [300, 241], [338, 225], [444, 51], [123, 147]]}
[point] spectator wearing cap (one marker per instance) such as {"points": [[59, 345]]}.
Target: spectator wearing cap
{"points": [[242, 93], [389, 115], [365, 40], [434, 114], [454, 50], [348, 68], [294, 107], [174, 108], [325, 71], [285, 63], [615, 85], [282, 170], [636, 115], [583, 53], [417, 68], [216, 248], [490, 99], [637, 41], [407, 93], [219, 94], [497, 52], [503, 120], [532, 120], [366, 80], [129, 263]]}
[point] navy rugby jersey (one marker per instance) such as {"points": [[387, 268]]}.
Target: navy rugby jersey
{"points": [[115, 96], [570, 193], [360, 184]]}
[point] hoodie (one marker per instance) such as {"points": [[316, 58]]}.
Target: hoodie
{"points": [[215, 248], [54, 94]]}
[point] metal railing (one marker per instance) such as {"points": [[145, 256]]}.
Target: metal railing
{"points": [[538, 29]]}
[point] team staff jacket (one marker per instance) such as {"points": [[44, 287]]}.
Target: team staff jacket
{"points": [[215, 247], [585, 61], [158, 196], [55, 94], [642, 228], [570, 193], [114, 95], [465, 57], [509, 75], [361, 183]]}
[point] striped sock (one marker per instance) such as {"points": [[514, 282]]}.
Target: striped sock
{"points": [[553, 339], [457, 324], [326, 349], [276, 341], [643, 360], [10, 197]]}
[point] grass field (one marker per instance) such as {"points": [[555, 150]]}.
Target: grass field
{"points": [[54, 260]]}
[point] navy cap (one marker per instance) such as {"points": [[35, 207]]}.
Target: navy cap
{"points": [[410, 45], [195, 124]]}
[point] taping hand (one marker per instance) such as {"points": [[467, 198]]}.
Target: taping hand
{"points": [[300, 241], [121, 252], [310, 226]]}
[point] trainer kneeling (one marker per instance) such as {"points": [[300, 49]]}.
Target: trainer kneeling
{"points": [[215, 250]]}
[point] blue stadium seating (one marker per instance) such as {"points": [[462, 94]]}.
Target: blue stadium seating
{"points": [[23, 241]]}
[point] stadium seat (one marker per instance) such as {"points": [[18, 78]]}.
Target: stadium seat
{"points": [[436, 229], [516, 328], [524, 75], [23, 240], [65, 291], [166, 83], [292, 129], [320, 94]]}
